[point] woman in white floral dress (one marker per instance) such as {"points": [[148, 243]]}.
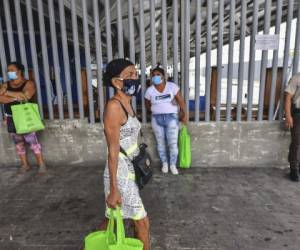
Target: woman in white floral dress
{"points": [[121, 128]]}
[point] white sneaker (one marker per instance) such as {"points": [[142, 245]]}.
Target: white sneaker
{"points": [[174, 170], [165, 168]]}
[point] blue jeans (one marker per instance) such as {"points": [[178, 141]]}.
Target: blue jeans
{"points": [[166, 127]]}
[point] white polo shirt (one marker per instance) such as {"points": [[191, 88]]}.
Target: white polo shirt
{"points": [[163, 102]]}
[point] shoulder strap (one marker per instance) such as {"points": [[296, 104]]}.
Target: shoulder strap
{"points": [[123, 151], [126, 112], [8, 85], [132, 109], [10, 88], [24, 84]]}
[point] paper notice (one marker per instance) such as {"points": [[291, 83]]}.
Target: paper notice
{"points": [[266, 42]]}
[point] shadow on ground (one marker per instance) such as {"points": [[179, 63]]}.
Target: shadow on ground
{"points": [[223, 208]]}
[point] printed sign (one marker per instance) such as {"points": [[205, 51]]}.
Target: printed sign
{"points": [[266, 42]]}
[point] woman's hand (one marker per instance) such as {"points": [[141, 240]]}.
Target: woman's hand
{"points": [[3, 89], [185, 120], [182, 114], [113, 199], [183, 117], [289, 121], [20, 96]]}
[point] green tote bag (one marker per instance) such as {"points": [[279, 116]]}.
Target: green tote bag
{"points": [[185, 155], [26, 117], [123, 243], [100, 239], [108, 240]]}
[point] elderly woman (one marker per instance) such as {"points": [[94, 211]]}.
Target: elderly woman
{"points": [[121, 128], [163, 99], [18, 89]]}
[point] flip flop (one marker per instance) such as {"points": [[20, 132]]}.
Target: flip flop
{"points": [[24, 169], [42, 169]]}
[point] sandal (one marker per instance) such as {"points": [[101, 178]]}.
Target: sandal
{"points": [[24, 169], [42, 169]]}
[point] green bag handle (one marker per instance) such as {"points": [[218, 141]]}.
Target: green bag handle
{"points": [[115, 214], [25, 99], [184, 129], [120, 227], [183, 132], [110, 228]]}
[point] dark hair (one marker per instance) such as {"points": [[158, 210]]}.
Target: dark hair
{"points": [[18, 65], [114, 68], [159, 69]]}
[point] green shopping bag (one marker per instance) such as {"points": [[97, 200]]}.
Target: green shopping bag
{"points": [[26, 117], [185, 155], [96, 241], [123, 243], [100, 239], [108, 240]]}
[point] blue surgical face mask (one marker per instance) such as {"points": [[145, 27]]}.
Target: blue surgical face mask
{"points": [[131, 87], [12, 75], [156, 80]]}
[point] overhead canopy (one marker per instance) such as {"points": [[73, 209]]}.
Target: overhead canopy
{"points": [[158, 24]]}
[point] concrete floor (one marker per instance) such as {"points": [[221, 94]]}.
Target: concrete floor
{"points": [[207, 209]]}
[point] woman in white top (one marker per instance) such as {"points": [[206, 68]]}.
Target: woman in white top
{"points": [[163, 99]]}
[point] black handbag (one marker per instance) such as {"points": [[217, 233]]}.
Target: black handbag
{"points": [[142, 164], [10, 125]]}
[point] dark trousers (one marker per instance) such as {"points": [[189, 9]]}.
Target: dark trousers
{"points": [[294, 153]]}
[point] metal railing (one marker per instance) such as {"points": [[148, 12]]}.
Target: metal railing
{"points": [[65, 44]]}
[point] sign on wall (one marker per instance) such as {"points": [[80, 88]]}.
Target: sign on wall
{"points": [[267, 42]]}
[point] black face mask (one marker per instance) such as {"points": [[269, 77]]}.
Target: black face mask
{"points": [[131, 86]]}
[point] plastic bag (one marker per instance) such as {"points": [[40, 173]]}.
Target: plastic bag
{"points": [[185, 154], [27, 118]]}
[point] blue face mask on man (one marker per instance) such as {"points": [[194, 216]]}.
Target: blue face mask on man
{"points": [[12, 75], [156, 80], [131, 87]]}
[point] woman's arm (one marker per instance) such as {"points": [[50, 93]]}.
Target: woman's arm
{"points": [[6, 99], [27, 93], [182, 106], [3, 98], [147, 104], [287, 109], [112, 124], [3, 88]]}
